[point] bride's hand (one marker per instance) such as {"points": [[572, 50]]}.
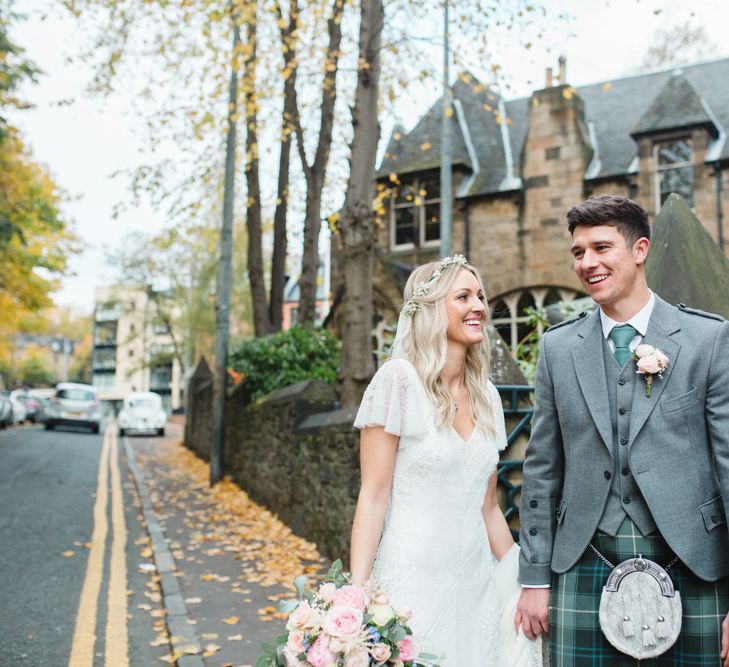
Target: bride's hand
{"points": [[532, 612]]}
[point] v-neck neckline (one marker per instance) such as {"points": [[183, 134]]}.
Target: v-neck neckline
{"points": [[465, 441]]}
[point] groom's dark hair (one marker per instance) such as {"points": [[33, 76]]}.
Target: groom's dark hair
{"points": [[614, 211]]}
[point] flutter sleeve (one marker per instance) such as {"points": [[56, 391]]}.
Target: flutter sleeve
{"points": [[391, 401], [498, 412]]}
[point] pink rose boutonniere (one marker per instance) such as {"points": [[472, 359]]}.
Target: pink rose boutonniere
{"points": [[651, 362]]}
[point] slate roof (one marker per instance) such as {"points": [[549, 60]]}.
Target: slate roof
{"points": [[684, 264], [677, 105], [697, 94]]}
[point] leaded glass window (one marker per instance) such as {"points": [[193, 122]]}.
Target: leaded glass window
{"points": [[674, 170]]}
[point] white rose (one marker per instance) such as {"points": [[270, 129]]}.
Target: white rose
{"points": [[381, 613]]}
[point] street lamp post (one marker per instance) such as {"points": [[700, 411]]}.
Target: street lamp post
{"points": [[445, 148]]}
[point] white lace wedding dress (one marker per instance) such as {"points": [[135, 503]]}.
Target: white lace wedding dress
{"points": [[434, 556]]}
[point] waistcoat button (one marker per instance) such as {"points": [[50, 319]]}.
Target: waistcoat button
{"points": [[533, 504], [623, 441], [624, 471], [626, 500], [607, 474], [532, 531], [622, 381], [621, 411]]}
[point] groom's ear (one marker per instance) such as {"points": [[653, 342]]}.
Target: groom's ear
{"points": [[640, 250]]}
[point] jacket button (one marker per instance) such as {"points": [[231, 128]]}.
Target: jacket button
{"points": [[607, 474], [532, 531], [621, 411], [714, 518], [534, 558], [626, 500], [623, 441], [622, 381], [624, 471], [533, 504]]}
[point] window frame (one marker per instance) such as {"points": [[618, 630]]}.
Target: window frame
{"points": [[419, 216], [660, 169]]}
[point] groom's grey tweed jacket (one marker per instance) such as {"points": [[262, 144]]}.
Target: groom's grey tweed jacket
{"points": [[678, 444]]}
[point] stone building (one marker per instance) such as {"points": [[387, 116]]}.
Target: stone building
{"points": [[133, 349], [519, 165]]}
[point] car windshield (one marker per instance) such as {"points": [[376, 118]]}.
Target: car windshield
{"points": [[142, 403], [76, 394]]}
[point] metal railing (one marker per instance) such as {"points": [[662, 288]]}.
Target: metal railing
{"points": [[519, 407]]}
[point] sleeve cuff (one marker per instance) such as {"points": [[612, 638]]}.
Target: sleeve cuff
{"points": [[536, 586]]}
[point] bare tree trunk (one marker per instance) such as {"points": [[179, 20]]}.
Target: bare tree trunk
{"points": [[357, 224], [261, 324], [278, 261], [316, 173]]}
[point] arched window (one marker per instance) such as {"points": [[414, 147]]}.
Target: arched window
{"points": [[508, 312]]}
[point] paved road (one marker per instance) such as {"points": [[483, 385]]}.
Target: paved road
{"points": [[71, 546]]}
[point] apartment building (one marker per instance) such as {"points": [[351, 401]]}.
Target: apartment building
{"points": [[133, 349]]}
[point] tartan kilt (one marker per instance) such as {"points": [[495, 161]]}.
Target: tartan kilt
{"points": [[575, 637]]}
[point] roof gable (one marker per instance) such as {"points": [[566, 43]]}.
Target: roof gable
{"points": [[677, 105]]}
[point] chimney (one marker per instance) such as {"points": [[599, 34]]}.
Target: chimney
{"points": [[549, 83], [562, 70]]}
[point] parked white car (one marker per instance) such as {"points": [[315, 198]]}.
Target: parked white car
{"points": [[142, 413], [73, 404], [20, 413]]}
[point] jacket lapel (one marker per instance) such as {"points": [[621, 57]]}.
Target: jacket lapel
{"points": [[587, 356], [663, 324]]}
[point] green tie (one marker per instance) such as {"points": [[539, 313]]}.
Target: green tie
{"points": [[621, 335]]}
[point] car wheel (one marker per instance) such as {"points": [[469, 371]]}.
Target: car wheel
{"points": [[121, 432], [95, 428], [48, 426], [161, 431]]}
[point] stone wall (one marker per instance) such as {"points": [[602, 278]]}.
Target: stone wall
{"points": [[296, 454]]}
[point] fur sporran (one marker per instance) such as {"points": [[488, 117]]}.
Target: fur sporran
{"points": [[640, 609]]}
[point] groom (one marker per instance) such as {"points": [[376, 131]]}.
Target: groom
{"points": [[629, 473]]}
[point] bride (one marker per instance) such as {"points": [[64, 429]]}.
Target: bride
{"points": [[428, 527]]}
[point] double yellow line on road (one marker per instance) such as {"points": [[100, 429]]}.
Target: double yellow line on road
{"points": [[116, 638]]}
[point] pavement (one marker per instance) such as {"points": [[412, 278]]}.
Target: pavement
{"points": [[223, 562]]}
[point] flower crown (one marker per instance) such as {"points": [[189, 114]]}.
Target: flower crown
{"points": [[421, 289]]}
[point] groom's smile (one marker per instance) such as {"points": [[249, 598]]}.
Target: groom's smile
{"points": [[606, 264]]}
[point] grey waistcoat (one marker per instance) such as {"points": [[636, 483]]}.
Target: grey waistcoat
{"points": [[625, 496]]}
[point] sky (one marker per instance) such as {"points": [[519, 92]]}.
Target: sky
{"points": [[85, 143]]}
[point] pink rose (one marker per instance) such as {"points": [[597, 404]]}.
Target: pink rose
{"points": [[296, 641], [380, 652], [328, 592], [303, 617], [343, 621], [643, 350], [408, 649], [359, 658], [351, 596], [319, 654], [649, 364], [662, 358]]}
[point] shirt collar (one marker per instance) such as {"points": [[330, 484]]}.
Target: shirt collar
{"points": [[639, 321]]}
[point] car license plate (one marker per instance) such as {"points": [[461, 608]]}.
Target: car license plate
{"points": [[72, 415]]}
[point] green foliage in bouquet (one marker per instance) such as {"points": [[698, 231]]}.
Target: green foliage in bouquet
{"points": [[272, 362]]}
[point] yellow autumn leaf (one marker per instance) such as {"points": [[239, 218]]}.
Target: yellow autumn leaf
{"points": [[425, 146], [568, 93], [235, 638], [68, 554], [231, 620], [146, 553], [606, 86]]}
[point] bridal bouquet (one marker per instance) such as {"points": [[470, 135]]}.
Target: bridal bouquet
{"points": [[343, 625]]}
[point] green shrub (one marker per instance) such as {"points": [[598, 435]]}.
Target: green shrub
{"points": [[272, 362]]}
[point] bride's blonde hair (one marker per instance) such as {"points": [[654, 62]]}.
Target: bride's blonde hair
{"points": [[423, 339]]}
